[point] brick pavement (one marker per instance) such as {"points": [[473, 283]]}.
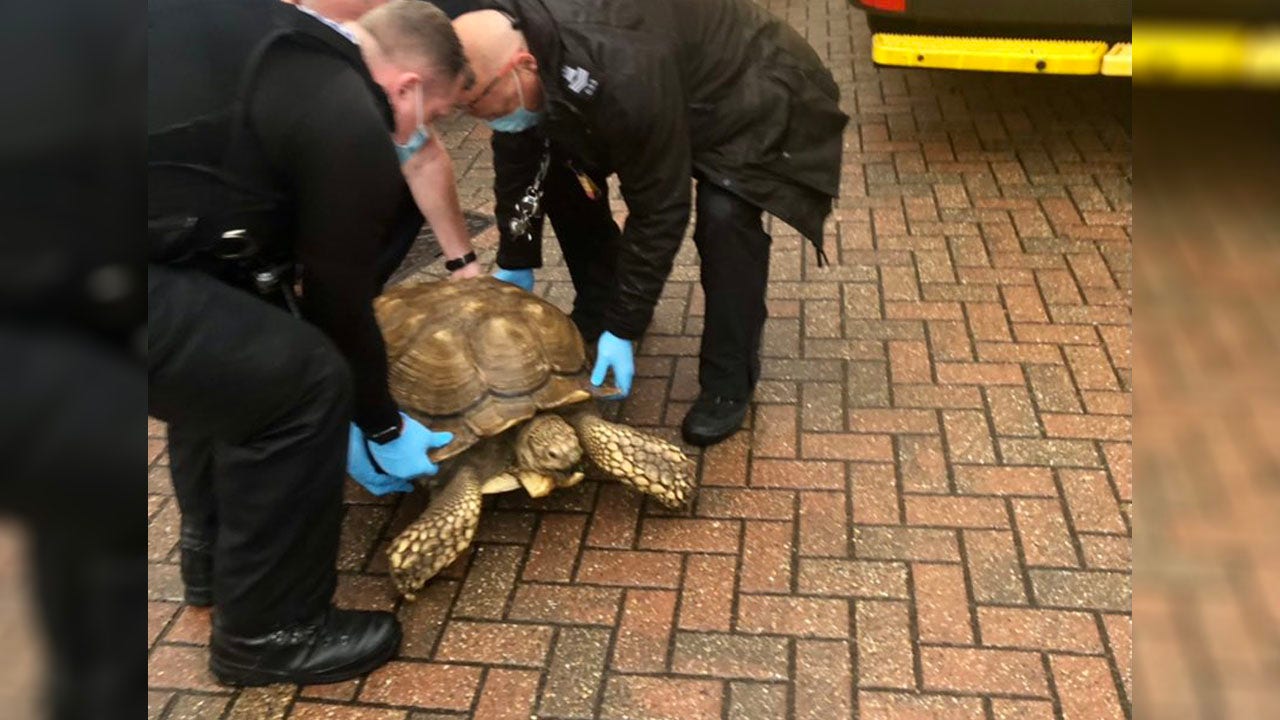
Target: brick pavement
{"points": [[1208, 602], [928, 517]]}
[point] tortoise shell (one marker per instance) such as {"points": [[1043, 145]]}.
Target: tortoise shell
{"points": [[476, 357]]}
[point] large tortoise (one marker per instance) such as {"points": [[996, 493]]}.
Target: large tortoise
{"points": [[479, 358]]}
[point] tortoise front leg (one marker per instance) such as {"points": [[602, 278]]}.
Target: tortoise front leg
{"points": [[645, 462], [439, 536]]}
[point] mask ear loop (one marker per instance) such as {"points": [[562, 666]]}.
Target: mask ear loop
{"points": [[519, 88], [420, 100]]}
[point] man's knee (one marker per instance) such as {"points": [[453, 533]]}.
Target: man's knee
{"points": [[722, 209]]}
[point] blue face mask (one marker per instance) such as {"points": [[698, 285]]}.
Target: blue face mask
{"points": [[417, 139], [415, 143], [518, 121]]}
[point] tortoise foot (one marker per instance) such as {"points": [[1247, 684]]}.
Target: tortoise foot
{"points": [[437, 538], [645, 462]]}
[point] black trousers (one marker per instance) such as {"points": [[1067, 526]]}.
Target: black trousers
{"points": [[258, 404], [69, 436], [732, 245], [191, 451]]}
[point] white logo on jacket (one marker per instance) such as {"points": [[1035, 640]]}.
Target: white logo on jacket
{"points": [[579, 80]]}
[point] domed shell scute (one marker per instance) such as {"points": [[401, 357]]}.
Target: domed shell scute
{"points": [[476, 357], [507, 355], [432, 377], [561, 341]]}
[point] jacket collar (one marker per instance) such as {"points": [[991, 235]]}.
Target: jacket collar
{"points": [[564, 121], [542, 33]]}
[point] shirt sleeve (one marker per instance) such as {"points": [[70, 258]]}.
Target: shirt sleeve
{"points": [[649, 144], [323, 134]]}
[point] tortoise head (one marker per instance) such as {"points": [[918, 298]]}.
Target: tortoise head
{"points": [[547, 443]]}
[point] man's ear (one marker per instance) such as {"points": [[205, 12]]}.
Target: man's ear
{"points": [[405, 83], [525, 59]]}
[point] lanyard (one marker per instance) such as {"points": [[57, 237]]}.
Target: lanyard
{"points": [[529, 207]]}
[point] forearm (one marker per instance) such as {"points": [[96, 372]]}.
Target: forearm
{"points": [[640, 278], [431, 180], [658, 215]]}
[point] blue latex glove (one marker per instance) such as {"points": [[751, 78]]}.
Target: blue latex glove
{"points": [[361, 470], [522, 279], [612, 352], [406, 456]]}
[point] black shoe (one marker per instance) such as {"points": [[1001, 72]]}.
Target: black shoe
{"points": [[342, 645], [712, 419], [196, 566]]}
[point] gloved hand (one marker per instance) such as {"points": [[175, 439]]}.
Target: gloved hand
{"points": [[406, 456], [520, 278], [361, 470], [612, 352]]}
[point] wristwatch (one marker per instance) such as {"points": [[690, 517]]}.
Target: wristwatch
{"points": [[459, 263], [386, 435]]}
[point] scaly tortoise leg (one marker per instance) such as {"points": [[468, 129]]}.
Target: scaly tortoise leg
{"points": [[645, 462], [439, 536]]}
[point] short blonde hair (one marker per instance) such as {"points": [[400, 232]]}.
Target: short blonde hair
{"points": [[413, 33]]}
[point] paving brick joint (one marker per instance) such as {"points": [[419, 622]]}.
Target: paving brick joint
{"points": [[929, 514]]}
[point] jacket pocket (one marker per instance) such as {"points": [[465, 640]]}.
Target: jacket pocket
{"points": [[807, 146]]}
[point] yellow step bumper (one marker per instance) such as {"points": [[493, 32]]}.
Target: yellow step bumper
{"points": [[1205, 54], [1118, 62], [1043, 57]]}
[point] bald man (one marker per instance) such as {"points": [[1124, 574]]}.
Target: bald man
{"points": [[656, 92]]}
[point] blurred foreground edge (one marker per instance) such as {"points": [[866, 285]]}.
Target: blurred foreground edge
{"points": [[1207, 465], [72, 385]]}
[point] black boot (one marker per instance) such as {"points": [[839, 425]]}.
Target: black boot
{"points": [[196, 565], [341, 645], [712, 419]]}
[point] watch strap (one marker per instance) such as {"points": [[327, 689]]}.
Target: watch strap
{"points": [[384, 436], [459, 263]]}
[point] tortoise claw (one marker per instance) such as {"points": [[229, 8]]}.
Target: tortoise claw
{"points": [[606, 392]]}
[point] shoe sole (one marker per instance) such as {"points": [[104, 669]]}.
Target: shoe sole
{"points": [[253, 677]]}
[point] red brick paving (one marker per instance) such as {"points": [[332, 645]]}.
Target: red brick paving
{"points": [[1207, 610], [928, 516]]}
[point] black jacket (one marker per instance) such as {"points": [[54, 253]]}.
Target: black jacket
{"points": [[262, 117], [658, 91]]}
